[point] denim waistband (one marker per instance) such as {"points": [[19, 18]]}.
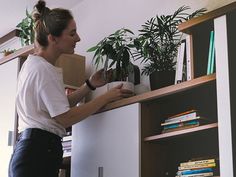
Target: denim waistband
{"points": [[36, 133]]}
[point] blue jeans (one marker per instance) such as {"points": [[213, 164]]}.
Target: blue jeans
{"points": [[38, 153]]}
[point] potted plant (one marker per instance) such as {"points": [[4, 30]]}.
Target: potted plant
{"points": [[114, 52], [26, 30], [157, 46], [6, 52]]}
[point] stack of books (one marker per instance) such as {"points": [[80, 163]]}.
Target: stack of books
{"points": [[66, 145], [199, 168], [184, 120]]}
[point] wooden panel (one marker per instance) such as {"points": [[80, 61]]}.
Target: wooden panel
{"points": [[73, 67]]}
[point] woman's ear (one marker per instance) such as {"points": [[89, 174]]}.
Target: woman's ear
{"points": [[52, 39]]}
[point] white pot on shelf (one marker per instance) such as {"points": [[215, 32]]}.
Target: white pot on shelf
{"points": [[126, 85]]}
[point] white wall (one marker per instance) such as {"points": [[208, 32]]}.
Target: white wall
{"points": [[8, 80], [99, 18], [8, 75]]}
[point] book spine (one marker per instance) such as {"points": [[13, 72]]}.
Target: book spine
{"points": [[180, 61], [212, 55], [183, 117], [189, 59], [193, 122], [210, 52], [180, 121], [198, 162], [182, 113], [180, 128], [189, 172], [197, 175], [188, 167]]}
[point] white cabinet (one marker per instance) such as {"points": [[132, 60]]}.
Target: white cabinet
{"points": [[8, 77], [107, 144]]}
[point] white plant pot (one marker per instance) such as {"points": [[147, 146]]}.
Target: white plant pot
{"points": [[126, 85]]}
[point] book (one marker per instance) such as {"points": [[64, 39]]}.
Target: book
{"points": [[197, 171], [182, 117], [189, 58], [211, 54], [180, 63], [212, 66], [196, 162], [197, 166], [180, 128], [197, 175], [182, 113], [67, 138], [201, 120], [181, 124]]}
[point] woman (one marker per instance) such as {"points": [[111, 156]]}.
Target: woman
{"points": [[43, 108]]}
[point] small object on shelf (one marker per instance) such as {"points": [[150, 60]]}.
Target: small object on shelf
{"points": [[184, 120], [211, 54]]}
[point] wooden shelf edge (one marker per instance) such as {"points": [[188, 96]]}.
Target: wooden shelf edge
{"points": [[19, 53], [161, 92], [9, 36], [181, 132], [184, 27]]}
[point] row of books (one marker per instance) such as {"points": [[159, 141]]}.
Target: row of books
{"points": [[184, 120], [184, 61], [66, 145], [197, 168]]}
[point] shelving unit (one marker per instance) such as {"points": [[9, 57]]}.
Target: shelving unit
{"points": [[212, 95]]}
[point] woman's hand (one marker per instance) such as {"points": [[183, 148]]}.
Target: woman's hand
{"points": [[100, 78], [117, 93]]}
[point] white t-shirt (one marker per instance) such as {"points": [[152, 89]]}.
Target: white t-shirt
{"points": [[40, 96]]}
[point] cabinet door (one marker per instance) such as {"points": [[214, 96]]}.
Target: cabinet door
{"points": [[8, 79], [107, 144]]}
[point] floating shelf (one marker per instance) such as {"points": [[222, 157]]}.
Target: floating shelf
{"points": [[181, 132]]}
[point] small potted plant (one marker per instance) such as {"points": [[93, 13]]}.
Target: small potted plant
{"points": [[26, 30], [6, 52], [157, 46], [114, 52]]}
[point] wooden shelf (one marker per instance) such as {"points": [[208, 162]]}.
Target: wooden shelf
{"points": [[186, 26], [12, 34], [162, 92], [181, 132], [23, 52]]}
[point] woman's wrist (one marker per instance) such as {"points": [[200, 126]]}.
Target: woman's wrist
{"points": [[89, 85]]}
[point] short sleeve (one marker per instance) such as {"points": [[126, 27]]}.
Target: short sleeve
{"points": [[53, 97]]}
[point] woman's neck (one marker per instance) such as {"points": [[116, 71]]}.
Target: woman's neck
{"points": [[48, 54]]}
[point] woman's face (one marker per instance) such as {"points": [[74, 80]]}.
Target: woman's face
{"points": [[67, 41]]}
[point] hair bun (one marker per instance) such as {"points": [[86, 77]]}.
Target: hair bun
{"points": [[40, 10], [41, 6]]}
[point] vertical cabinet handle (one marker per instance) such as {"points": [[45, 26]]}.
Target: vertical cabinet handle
{"points": [[100, 171], [10, 138]]}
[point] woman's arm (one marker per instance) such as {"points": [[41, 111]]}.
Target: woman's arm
{"points": [[76, 114], [96, 80], [78, 95]]}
